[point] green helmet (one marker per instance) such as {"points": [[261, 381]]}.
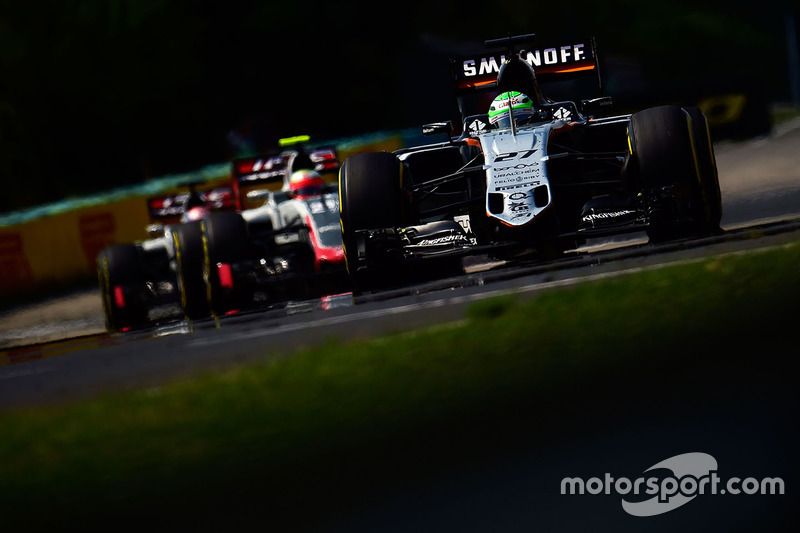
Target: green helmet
{"points": [[520, 104]]}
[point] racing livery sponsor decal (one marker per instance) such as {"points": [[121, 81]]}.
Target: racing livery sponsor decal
{"points": [[464, 222], [454, 238], [260, 168], [552, 56], [562, 113], [606, 215], [514, 187], [526, 171], [536, 58], [170, 208], [97, 233], [565, 58], [520, 166], [507, 180], [477, 125], [15, 271]]}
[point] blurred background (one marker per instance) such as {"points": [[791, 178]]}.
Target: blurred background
{"points": [[95, 94]]}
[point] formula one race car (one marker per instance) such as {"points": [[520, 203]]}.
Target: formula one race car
{"points": [[527, 173], [272, 171], [289, 247], [139, 282], [208, 258]]}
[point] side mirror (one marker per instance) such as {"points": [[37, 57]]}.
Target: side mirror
{"points": [[438, 127], [262, 194], [258, 194], [596, 106], [155, 230]]}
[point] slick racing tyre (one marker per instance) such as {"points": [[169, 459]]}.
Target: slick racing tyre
{"points": [[707, 166], [225, 243], [370, 197], [667, 164], [187, 240], [122, 281]]}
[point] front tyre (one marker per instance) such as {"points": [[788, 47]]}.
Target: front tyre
{"points": [[370, 197], [225, 243], [668, 167], [707, 167]]}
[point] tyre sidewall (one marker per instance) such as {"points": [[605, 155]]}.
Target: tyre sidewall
{"points": [[661, 141], [188, 244], [225, 240], [121, 266]]}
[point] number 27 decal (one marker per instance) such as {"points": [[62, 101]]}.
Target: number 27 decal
{"points": [[511, 156]]}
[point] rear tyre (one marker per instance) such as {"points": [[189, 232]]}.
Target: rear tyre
{"points": [[225, 243], [667, 164], [122, 282], [188, 243], [370, 197]]}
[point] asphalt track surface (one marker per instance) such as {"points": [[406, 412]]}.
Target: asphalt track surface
{"points": [[84, 366], [760, 181]]}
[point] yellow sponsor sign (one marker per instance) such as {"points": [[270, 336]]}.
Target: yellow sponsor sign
{"points": [[63, 247], [723, 109]]}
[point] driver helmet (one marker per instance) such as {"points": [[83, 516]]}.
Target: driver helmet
{"points": [[521, 105], [195, 213], [305, 183]]}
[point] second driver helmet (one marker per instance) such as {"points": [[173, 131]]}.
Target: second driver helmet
{"points": [[305, 183]]}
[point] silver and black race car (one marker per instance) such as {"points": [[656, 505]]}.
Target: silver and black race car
{"points": [[209, 259], [527, 172], [290, 247], [144, 282]]}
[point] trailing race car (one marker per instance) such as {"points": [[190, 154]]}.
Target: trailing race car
{"points": [[527, 172], [209, 259], [288, 247], [140, 281], [272, 171]]}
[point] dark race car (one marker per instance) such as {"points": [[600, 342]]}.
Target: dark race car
{"points": [[527, 172]]}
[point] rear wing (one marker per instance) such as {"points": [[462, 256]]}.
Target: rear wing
{"points": [[272, 171], [477, 74], [168, 209], [549, 63]]}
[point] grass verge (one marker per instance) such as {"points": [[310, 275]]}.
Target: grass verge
{"points": [[329, 426]]}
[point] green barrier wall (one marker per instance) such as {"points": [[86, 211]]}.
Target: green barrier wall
{"points": [[58, 243]]}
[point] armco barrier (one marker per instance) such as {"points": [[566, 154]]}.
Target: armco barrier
{"points": [[56, 244]]}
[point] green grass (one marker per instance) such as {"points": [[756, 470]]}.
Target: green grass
{"points": [[266, 441], [782, 114]]}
